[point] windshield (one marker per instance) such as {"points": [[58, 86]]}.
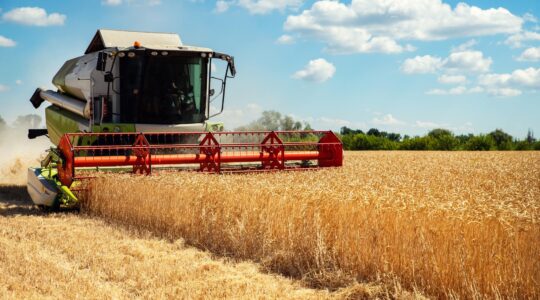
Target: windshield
{"points": [[163, 89]]}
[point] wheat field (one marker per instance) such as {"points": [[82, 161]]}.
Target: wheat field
{"points": [[72, 256], [441, 224]]}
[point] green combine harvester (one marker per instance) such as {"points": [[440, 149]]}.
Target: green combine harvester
{"points": [[139, 101]]}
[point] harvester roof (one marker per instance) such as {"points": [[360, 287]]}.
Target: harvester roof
{"points": [[106, 38]]}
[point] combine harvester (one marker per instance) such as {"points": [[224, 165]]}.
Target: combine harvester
{"points": [[141, 101]]}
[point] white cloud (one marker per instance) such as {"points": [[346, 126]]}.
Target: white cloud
{"points": [[465, 46], [6, 42], [285, 39], [476, 89], [529, 77], [516, 40], [452, 79], [34, 16], [504, 92], [387, 119], [111, 2], [18, 82], [428, 124], [468, 61], [528, 17], [222, 6], [378, 26], [259, 7], [422, 65], [4, 88], [510, 84], [530, 54], [462, 60], [267, 6], [456, 62], [136, 2], [318, 70], [459, 90]]}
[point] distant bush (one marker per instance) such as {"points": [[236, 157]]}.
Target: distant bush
{"points": [[480, 143], [523, 146], [437, 139], [442, 139], [502, 140], [362, 141], [415, 143]]}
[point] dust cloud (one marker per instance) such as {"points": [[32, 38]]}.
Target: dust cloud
{"points": [[18, 153]]}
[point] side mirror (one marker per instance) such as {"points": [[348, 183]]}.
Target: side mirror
{"points": [[232, 67], [101, 61]]}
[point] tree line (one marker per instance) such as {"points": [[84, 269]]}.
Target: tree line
{"points": [[436, 139], [373, 139]]}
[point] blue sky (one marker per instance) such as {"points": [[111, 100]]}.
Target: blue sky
{"points": [[399, 65]]}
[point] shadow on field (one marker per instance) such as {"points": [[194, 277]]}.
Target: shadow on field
{"points": [[14, 200]]}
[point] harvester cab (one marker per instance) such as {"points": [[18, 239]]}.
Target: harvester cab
{"points": [[143, 100], [135, 82]]}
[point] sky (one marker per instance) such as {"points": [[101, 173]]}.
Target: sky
{"points": [[406, 66]]}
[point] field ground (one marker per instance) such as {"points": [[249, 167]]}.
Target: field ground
{"points": [[67, 256], [456, 224]]}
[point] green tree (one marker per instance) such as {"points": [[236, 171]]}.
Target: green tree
{"points": [[415, 143], [270, 120], [502, 140], [346, 130], [374, 131], [439, 132], [480, 143], [395, 137], [464, 138], [524, 145], [371, 142], [442, 139], [287, 123], [530, 137]]}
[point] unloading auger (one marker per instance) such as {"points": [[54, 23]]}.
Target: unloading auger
{"points": [[140, 101]]}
